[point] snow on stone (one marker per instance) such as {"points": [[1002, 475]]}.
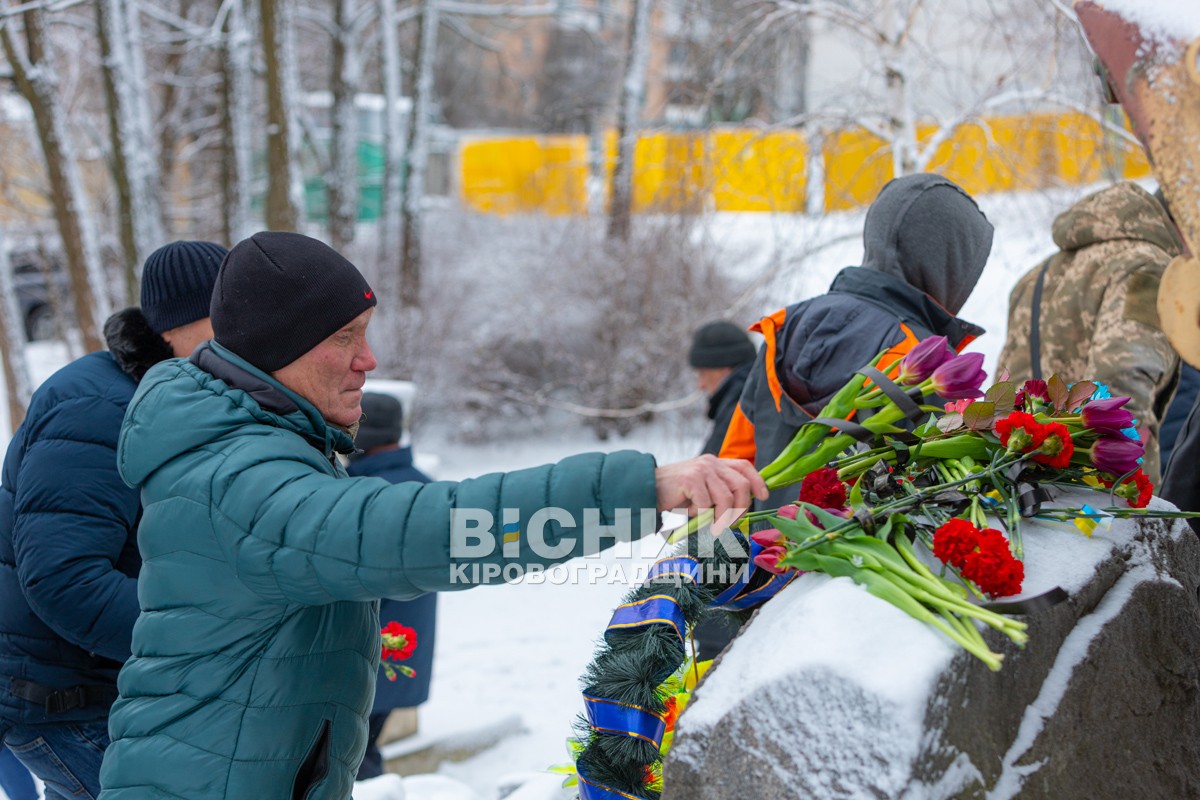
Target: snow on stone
{"points": [[1073, 651], [853, 696], [1171, 19]]}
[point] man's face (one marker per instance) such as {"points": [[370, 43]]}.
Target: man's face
{"points": [[708, 379], [331, 375]]}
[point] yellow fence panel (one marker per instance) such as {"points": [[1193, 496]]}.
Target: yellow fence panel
{"points": [[857, 165], [759, 172], [747, 170]]}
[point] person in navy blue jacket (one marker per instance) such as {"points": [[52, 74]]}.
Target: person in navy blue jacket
{"points": [[380, 455], [68, 530]]}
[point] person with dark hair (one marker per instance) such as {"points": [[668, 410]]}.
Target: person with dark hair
{"points": [[1089, 312], [925, 244], [68, 526], [721, 356], [254, 659], [380, 454]]}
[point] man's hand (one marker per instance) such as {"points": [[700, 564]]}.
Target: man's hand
{"points": [[708, 482]]}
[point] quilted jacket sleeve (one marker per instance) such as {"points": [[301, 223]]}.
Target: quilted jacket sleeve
{"points": [[74, 515], [297, 534]]}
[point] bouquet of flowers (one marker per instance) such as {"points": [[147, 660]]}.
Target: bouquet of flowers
{"points": [[921, 504], [397, 643]]}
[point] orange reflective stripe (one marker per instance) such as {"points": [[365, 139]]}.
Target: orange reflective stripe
{"points": [[966, 341], [767, 326], [739, 438], [889, 363]]}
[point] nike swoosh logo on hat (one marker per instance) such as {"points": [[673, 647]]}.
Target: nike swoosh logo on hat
{"points": [[368, 294]]}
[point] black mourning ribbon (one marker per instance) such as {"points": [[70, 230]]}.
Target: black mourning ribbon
{"points": [[1030, 494], [904, 401]]}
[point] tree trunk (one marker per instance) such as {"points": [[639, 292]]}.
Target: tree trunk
{"points": [[283, 209], [133, 159], [237, 83], [416, 153], [629, 108], [342, 181], [37, 80], [898, 15], [393, 147], [18, 387]]}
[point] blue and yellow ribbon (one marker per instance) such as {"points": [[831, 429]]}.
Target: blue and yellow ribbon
{"points": [[658, 609], [610, 716]]}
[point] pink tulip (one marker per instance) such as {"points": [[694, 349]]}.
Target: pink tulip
{"points": [[767, 538], [960, 377], [920, 362], [788, 511], [769, 559]]}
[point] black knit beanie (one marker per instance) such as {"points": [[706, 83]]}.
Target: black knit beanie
{"points": [[720, 344], [177, 283], [383, 419], [280, 294]]}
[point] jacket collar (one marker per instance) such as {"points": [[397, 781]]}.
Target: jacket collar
{"points": [[292, 410], [910, 304]]}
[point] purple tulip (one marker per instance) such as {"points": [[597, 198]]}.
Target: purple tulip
{"points": [[1116, 455], [920, 362], [768, 538], [960, 377], [1107, 416], [769, 558]]}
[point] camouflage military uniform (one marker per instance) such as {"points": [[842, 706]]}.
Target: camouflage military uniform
{"points": [[1098, 309]]}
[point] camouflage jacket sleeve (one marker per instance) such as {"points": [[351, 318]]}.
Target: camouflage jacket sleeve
{"points": [[1130, 352]]}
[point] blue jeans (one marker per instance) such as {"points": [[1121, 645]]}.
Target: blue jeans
{"points": [[15, 780], [65, 756]]}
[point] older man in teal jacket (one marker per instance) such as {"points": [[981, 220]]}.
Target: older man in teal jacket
{"points": [[255, 653]]}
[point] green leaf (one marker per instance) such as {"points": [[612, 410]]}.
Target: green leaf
{"points": [[979, 416], [1058, 392], [797, 529], [1080, 392], [856, 498], [1002, 394], [950, 422]]}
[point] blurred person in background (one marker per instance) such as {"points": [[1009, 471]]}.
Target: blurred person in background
{"points": [[721, 356], [380, 454]]}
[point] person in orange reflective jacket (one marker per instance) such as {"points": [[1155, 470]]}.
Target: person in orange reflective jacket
{"points": [[925, 245]]}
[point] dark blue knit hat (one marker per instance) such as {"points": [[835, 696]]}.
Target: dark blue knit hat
{"points": [[177, 283], [280, 294]]}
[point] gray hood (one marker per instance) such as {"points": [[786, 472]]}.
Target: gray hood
{"points": [[928, 232]]}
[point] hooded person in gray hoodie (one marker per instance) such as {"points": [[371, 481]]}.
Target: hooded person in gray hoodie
{"points": [[925, 245]]}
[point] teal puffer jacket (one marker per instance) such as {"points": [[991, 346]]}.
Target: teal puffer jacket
{"points": [[255, 653]]}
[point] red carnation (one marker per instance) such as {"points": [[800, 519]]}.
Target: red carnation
{"points": [[399, 642], [954, 540], [1056, 448], [992, 567], [1136, 489], [823, 488], [1020, 432], [983, 557]]}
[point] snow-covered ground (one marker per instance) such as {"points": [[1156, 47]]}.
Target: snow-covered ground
{"points": [[509, 657]]}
